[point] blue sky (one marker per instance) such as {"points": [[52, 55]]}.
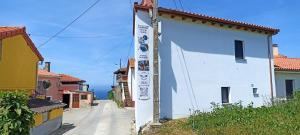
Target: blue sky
{"points": [[106, 30]]}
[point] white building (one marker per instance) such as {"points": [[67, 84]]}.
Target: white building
{"points": [[287, 74], [202, 59]]}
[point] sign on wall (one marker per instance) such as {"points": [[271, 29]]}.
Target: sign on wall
{"points": [[143, 72]]}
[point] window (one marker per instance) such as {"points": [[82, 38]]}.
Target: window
{"points": [[49, 98], [84, 97], [0, 50], [239, 49], [225, 94], [255, 92]]}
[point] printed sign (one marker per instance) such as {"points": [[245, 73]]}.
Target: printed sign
{"points": [[143, 62]]}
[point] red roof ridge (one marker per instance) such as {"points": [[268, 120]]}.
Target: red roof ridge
{"points": [[206, 17], [69, 78], [7, 31], [43, 72]]}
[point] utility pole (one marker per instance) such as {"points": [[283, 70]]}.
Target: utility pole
{"points": [[155, 64]]}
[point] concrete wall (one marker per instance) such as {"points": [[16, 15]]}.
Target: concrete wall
{"points": [[131, 83], [68, 87], [53, 91], [47, 127], [280, 82], [196, 60], [144, 108], [18, 65]]}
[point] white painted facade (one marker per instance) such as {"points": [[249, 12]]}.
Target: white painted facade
{"points": [[196, 60], [280, 77], [131, 83]]}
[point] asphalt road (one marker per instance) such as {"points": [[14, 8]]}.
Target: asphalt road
{"points": [[103, 119]]}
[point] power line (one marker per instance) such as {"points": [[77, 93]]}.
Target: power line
{"points": [[181, 5], [57, 33], [175, 4]]}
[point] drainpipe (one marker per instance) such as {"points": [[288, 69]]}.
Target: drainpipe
{"points": [[270, 67]]}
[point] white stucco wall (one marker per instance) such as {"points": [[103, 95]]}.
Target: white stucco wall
{"points": [[196, 60], [131, 83], [280, 82], [143, 108]]}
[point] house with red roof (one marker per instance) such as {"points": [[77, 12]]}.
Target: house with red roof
{"points": [[73, 94], [287, 74], [19, 60], [49, 85], [202, 59]]}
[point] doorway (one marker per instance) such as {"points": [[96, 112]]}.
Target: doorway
{"points": [[75, 103], [289, 88], [66, 100]]}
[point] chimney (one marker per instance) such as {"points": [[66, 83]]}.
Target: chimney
{"points": [[147, 3], [47, 66], [275, 50]]}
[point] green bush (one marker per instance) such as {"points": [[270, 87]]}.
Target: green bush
{"points": [[110, 95], [15, 116], [281, 118]]}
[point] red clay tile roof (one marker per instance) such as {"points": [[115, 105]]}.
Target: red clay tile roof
{"points": [[6, 32], [147, 4], [287, 64], [42, 72], [68, 78]]}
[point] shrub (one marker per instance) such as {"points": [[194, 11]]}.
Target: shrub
{"points": [[281, 118], [15, 116], [110, 95]]}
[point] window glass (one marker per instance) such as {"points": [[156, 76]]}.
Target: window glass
{"points": [[239, 49], [83, 96], [225, 94]]}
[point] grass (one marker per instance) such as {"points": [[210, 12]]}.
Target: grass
{"points": [[173, 127], [283, 117]]}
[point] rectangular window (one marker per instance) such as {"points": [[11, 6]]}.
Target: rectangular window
{"points": [[225, 94], [84, 97], [0, 50], [239, 49]]}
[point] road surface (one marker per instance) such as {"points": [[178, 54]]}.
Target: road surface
{"points": [[103, 119]]}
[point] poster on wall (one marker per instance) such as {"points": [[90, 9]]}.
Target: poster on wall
{"points": [[143, 62]]}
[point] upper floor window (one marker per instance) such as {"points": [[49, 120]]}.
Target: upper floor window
{"points": [[239, 49]]}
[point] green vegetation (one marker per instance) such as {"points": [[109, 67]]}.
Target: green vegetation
{"points": [[15, 116], [173, 127], [281, 118], [110, 95]]}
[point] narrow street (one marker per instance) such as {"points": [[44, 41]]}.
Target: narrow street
{"points": [[105, 118]]}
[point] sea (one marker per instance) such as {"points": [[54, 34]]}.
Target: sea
{"points": [[101, 94], [100, 91]]}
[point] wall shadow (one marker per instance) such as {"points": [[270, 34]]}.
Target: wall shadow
{"points": [[63, 129]]}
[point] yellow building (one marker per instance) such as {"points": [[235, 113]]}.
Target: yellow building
{"points": [[18, 60]]}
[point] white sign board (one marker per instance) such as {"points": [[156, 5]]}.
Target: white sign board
{"points": [[143, 72]]}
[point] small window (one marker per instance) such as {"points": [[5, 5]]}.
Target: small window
{"points": [[255, 92], [239, 49], [225, 95], [84, 97], [49, 98], [0, 50]]}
